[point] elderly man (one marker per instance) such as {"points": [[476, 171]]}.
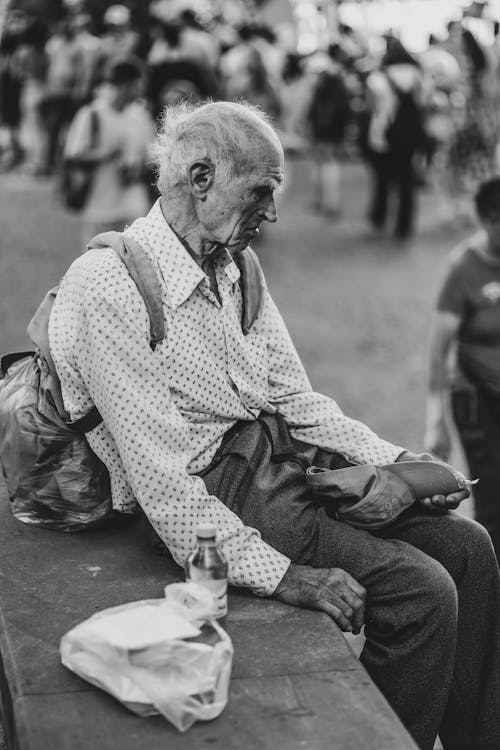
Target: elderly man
{"points": [[218, 423]]}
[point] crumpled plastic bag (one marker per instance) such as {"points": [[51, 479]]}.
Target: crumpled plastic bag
{"points": [[53, 477], [166, 656]]}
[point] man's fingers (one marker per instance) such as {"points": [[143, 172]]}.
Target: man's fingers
{"points": [[358, 616], [358, 589], [429, 504], [456, 498], [337, 615]]}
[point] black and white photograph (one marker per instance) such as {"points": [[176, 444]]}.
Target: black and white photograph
{"points": [[250, 374]]}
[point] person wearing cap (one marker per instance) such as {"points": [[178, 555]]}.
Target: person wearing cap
{"points": [[120, 40], [219, 423], [467, 323]]}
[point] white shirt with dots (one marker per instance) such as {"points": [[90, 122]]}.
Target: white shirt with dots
{"points": [[166, 412]]}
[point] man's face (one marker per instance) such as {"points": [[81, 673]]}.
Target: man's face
{"points": [[234, 211]]}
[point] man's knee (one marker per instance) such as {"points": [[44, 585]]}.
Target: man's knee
{"points": [[421, 600], [468, 546]]}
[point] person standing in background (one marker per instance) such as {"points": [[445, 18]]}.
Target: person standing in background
{"points": [[120, 40], [471, 154], [57, 106], [125, 130], [33, 62], [11, 87], [467, 324], [395, 131], [328, 115]]}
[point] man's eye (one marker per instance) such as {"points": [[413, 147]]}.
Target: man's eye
{"points": [[262, 192]]}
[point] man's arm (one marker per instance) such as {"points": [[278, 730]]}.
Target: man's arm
{"points": [[313, 417], [443, 335]]}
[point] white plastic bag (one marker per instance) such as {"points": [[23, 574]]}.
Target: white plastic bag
{"points": [[165, 656]]}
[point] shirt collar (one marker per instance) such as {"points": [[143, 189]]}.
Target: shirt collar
{"points": [[181, 274]]}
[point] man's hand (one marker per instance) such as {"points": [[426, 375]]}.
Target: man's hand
{"points": [[437, 503], [330, 590]]}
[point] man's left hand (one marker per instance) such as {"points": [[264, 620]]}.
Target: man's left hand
{"points": [[436, 503]]}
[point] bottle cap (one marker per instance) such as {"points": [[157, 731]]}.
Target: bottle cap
{"points": [[206, 531]]}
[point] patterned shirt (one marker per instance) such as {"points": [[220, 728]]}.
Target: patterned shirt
{"points": [[165, 412]]}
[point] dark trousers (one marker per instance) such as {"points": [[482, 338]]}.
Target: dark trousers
{"points": [[477, 417], [433, 602], [393, 176], [56, 112]]}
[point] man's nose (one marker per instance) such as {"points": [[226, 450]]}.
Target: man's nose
{"points": [[271, 212]]}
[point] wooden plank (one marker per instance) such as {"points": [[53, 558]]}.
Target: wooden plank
{"points": [[317, 712]]}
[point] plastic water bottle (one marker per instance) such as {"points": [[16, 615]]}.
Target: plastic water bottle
{"points": [[207, 565]]}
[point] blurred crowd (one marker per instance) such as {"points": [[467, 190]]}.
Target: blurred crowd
{"points": [[416, 119]]}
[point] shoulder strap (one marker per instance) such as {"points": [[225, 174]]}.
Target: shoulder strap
{"points": [[144, 275], [146, 279], [38, 331]]}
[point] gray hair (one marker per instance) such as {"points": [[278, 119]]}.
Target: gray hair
{"points": [[218, 131]]}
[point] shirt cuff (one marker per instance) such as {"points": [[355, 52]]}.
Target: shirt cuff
{"points": [[260, 569], [388, 453]]}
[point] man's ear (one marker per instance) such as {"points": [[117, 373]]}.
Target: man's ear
{"points": [[201, 178]]}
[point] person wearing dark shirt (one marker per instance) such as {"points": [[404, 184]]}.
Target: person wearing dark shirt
{"points": [[465, 359]]}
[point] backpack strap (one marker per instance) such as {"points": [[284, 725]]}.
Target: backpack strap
{"points": [[144, 275], [146, 279]]}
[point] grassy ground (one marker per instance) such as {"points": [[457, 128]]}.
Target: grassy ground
{"points": [[358, 307]]}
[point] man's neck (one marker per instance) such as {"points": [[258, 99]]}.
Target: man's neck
{"points": [[188, 231]]}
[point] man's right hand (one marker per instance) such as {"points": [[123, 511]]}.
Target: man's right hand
{"points": [[330, 590]]}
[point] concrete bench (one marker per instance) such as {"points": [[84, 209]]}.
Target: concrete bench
{"points": [[295, 681]]}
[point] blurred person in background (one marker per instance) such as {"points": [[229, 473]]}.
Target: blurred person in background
{"points": [[471, 153], [119, 191], [247, 73], [296, 95], [394, 134], [197, 43], [165, 42], [177, 35], [178, 80], [11, 79], [57, 106], [442, 76], [465, 359], [119, 40], [33, 63], [328, 115], [91, 50]]}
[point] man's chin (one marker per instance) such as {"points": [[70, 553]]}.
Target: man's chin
{"points": [[238, 245]]}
